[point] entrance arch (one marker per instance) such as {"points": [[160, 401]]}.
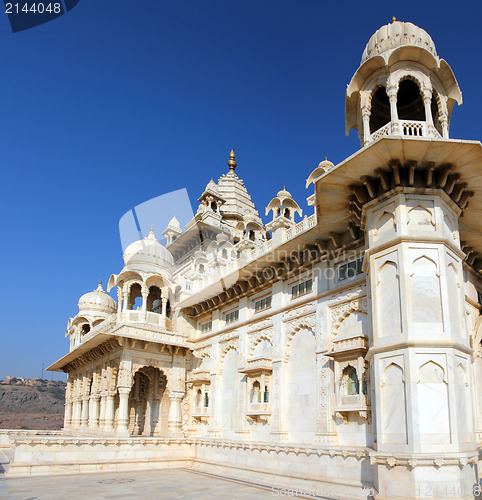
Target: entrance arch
{"points": [[148, 403]]}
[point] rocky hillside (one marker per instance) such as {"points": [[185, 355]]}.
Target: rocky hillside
{"points": [[31, 404]]}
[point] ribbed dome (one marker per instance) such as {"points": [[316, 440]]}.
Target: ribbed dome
{"points": [[284, 194], [148, 255], [397, 34], [97, 301]]}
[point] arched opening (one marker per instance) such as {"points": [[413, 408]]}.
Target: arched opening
{"points": [[85, 329], [135, 297], [351, 385], [199, 396], [380, 113], [148, 403], [201, 268], [154, 302], [409, 101], [251, 235], [224, 253], [214, 207], [256, 393], [287, 213]]}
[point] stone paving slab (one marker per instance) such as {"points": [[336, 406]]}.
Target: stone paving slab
{"points": [[172, 484]]}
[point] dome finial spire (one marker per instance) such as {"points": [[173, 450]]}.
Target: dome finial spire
{"points": [[99, 287], [152, 236], [394, 19], [232, 163]]}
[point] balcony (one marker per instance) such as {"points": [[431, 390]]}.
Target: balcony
{"points": [[351, 347], [147, 318], [409, 128], [258, 411], [257, 366], [198, 377], [200, 413]]}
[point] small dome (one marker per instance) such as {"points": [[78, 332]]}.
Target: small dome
{"points": [[326, 165], [284, 194], [97, 301], [397, 34], [148, 255]]}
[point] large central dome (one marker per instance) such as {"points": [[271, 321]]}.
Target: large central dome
{"points": [[397, 34]]}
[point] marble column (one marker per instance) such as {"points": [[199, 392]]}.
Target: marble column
{"points": [[325, 428], [109, 413], [164, 312], [94, 412], [156, 405], [276, 400], [77, 408], [175, 414], [123, 415], [102, 411], [392, 96], [427, 102], [68, 414], [84, 422], [366, 123], [120, 297]]}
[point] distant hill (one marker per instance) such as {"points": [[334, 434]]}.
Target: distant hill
{"points": [[31, 403]]}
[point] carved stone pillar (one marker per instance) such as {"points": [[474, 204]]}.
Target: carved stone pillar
{"points": [[68, 414], [392, 93], [214, 426], [123, 415], [445, 125], [120, 297], [276, 397], [148, 417], [325, 428], [156, 405], [102, 411], [77, 412], [175, 413], [366, 110], [94, 412], [84, 424], [427, 102], [109, 413], [164, 311], [125, 293]]}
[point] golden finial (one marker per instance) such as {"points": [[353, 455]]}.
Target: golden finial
{"points": [[394, 19], [152, 229], [231, 162], [100, 282], [326, 158]]}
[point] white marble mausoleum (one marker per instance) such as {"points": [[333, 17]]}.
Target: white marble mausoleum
{"points": [[335, 350]]}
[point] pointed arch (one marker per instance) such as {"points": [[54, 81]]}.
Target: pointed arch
{"points": [[431, 373]]}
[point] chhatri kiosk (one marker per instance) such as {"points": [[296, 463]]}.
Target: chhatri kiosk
{"points": [[340, 353]]}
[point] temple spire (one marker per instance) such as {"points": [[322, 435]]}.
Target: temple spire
{"points": [[232, 162]]}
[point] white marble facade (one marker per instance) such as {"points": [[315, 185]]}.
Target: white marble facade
{"points": [[342, 351]]}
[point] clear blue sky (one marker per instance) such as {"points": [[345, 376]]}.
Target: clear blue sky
{"points": [[118, 102]]}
